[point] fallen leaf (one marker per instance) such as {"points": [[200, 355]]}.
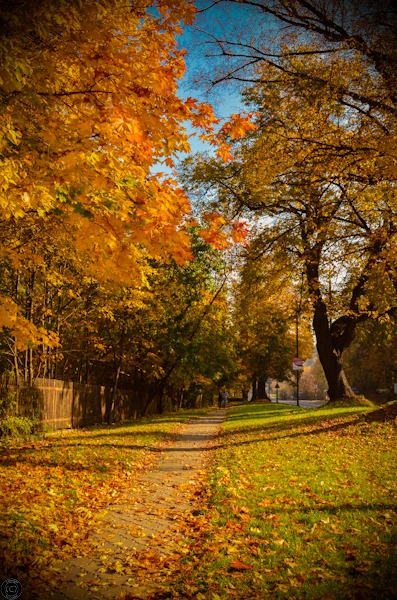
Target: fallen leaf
{"points": [[238, 565]]}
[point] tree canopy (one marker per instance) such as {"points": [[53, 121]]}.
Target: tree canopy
{"points": [[108, 274], [317, 168], [89, 106]]}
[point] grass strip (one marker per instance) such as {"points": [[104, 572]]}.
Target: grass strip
{"points": [[298, 504]]}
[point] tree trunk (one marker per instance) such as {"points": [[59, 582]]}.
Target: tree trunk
{"points": [[16, 365], [29, 316], [158, 391], [262, 393], [332, 338], [161, 401], [119, 361], [14, 347], [331, 341], [113, 396]]}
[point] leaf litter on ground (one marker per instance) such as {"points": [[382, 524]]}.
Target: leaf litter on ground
{"points": [[54, 490], [297, 504]]}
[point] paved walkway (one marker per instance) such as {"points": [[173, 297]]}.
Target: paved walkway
{"points": [[145, 528]]}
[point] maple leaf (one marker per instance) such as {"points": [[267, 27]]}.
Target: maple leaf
{"points": [[239, 232], [238, 125], [238, 565], [82, 149]]}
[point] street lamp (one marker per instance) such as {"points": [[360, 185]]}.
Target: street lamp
{"points": [[298, 312], [277, 387], [297, 353]]}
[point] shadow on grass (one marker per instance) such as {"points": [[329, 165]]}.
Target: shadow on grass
{"points": [[259, 415], [31, 455], [331, 507], [130, 428], [263, 431], [338, 427], [253, 411], [320, 423], [35, 456]]}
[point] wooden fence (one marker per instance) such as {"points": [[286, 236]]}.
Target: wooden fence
{"points": [[62, 404]]}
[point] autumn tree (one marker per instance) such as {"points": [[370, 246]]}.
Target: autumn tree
{"points": [[186, 326], [160, 339], [265, 312], [88, 107], [321, 164], [44, 283]]}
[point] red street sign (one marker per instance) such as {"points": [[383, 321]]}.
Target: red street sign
{"points": [[297, 364]]}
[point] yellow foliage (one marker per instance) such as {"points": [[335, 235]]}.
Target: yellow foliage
{"points": [[90, 107], [23, 331]]}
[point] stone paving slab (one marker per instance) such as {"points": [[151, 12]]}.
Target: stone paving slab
{"points": [[146, 522]]}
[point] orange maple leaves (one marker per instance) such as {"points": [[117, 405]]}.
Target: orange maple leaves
{"points": [[220, 233], [91, 108], [235, 128]]}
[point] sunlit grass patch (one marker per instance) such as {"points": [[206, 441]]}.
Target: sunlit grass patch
{"points": [[302, 504]]}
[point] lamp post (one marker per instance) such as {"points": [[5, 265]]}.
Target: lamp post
{"points": [[277, 388], [298, 311], [297, 354]]}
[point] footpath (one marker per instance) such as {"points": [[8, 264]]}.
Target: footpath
{"points": [[143, 531]]}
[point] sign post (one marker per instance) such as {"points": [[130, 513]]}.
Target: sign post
{"points": [[297, 365]]}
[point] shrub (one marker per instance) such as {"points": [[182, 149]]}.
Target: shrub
{"points": [[15, 427], [8, 403]]}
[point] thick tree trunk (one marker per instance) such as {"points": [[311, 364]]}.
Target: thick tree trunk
{"points": [[262, 393], [254, 388], [331, 341], [332, 338]]}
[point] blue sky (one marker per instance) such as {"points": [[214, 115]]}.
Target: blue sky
{"points": [[224, 21], [196, 40]]}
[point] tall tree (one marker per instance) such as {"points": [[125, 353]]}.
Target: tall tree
{"points": [[321, 164], [88, 107], [268, 308]]}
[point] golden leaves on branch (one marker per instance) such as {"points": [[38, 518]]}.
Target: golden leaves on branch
{"points": [[21, 329], [90, 107], [235, 128]]}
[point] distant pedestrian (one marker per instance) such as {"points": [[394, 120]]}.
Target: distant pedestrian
{"points": [[224, 396], [220, 399]]}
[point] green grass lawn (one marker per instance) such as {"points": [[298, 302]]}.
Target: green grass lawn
{"points": [[296, 504], [53, 490], [300, 504]]}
